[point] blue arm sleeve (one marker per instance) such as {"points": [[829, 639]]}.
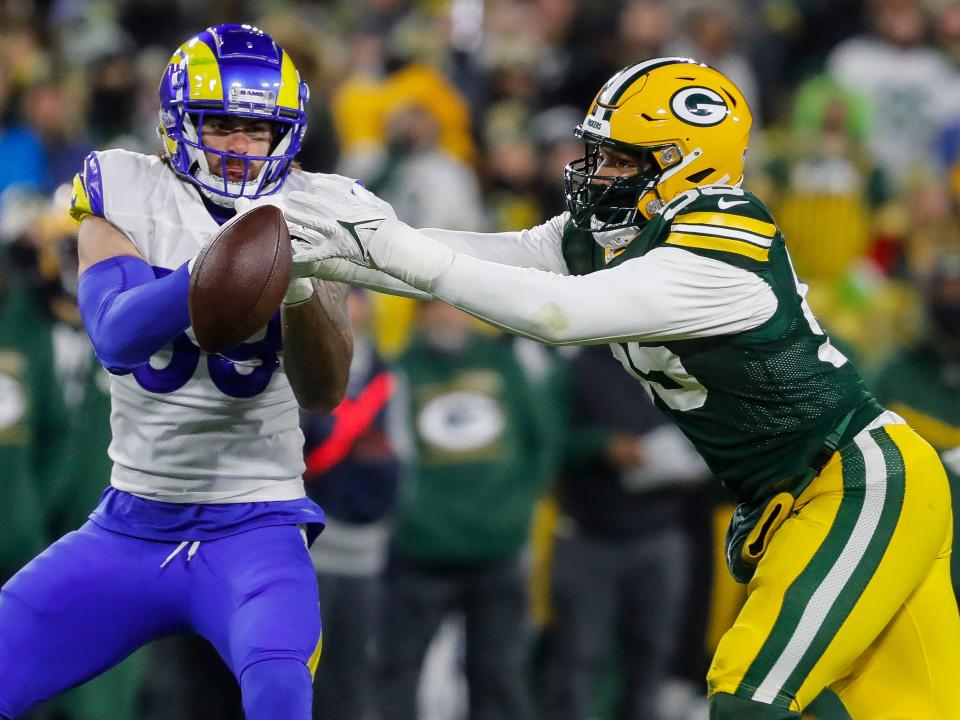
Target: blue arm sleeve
{"points": [[129, 313]]}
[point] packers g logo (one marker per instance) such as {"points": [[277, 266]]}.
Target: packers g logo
{"points": [[699, 106]]}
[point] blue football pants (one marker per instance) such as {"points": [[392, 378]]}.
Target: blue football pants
{"points": [[95, 596]]}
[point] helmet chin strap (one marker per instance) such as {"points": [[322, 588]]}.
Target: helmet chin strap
{"points": [[208, 178], [204, 175], [615, 239]]}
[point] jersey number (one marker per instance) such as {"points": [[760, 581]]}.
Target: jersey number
{"points": [[662, 372], [241, 372]]}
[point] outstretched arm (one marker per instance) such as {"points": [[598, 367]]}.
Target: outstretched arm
{"points": [[537, 247], [668, 294]]}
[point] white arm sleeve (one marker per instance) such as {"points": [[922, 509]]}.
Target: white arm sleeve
{"points": [[347, 272], [668, 294], [539, 247]]}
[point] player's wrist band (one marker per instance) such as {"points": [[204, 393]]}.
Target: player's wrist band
{"points": [[300, 290]]}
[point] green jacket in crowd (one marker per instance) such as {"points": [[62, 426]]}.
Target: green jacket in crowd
{"points": [[925, 390], [480, 445], [32, 420]]}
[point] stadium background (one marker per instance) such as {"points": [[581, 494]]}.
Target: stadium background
{"points": [[460, 112]]}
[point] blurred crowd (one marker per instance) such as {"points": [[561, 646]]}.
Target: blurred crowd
{"points": [[514, 532]]}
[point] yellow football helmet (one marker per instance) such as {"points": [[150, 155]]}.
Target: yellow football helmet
{"points": [[684, 123]]}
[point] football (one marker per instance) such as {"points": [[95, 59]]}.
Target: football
{"points": [[239, 279]]}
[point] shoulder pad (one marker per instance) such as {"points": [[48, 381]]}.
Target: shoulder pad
{"points": [[301, 179], [721, 219], [87, 198], [114, 172]]}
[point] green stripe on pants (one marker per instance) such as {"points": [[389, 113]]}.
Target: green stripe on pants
{"points": [[801, 591], [869, 562]]}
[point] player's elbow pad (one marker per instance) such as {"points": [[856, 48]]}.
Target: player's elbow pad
{"points": [[129, 313]]}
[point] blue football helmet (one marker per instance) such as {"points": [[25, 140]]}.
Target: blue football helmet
{"points": [[236, 71]]}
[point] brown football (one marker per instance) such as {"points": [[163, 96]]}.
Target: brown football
{"points": [[239, 279]]}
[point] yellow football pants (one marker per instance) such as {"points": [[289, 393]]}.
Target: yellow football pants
{"points": [[854, 591]]}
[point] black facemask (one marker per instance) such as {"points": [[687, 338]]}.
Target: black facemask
{"points": [[598, 202]]}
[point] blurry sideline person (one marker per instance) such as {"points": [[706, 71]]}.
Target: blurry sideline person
{"points": [[620, 533], [205, 526], [352, 472], [685, 274], [33, 418], [421, 180], [922, 382], [474, 441], [24, 161], [911, 87], [428, 186]]}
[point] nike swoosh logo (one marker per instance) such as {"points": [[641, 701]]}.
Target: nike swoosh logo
{"points": [[352, 229], [725, 205]]}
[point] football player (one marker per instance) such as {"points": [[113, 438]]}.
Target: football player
{"points": [[204, 527], [844, 528]]}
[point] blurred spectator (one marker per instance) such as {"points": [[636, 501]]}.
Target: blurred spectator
{"points": [[20, 147], [620, 533], [352, 474], [475, 435], [646, 26], [825, 184], [712, 38], [922, 382], [427, 186], [52, 110], [390, 74], [911, 87], [512, 199], [32, 415], [557, 147], [599, 39], [113, 100], [158, 23], [296, 33], [947, 28]]}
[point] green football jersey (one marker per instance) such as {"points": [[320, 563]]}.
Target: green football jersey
{"points": [[758, 404]]}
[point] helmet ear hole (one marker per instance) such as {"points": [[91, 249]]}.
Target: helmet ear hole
{"points": [[700, 175]]}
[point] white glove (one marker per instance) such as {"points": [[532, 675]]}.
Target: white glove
{"points": [[335, 222], [301, 286]]}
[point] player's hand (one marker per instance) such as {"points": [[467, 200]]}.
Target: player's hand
{"points": [[336, 223], [305, 264], [300, 288]]}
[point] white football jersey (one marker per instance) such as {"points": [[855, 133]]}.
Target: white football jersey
{"points": [[192, 427]]}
